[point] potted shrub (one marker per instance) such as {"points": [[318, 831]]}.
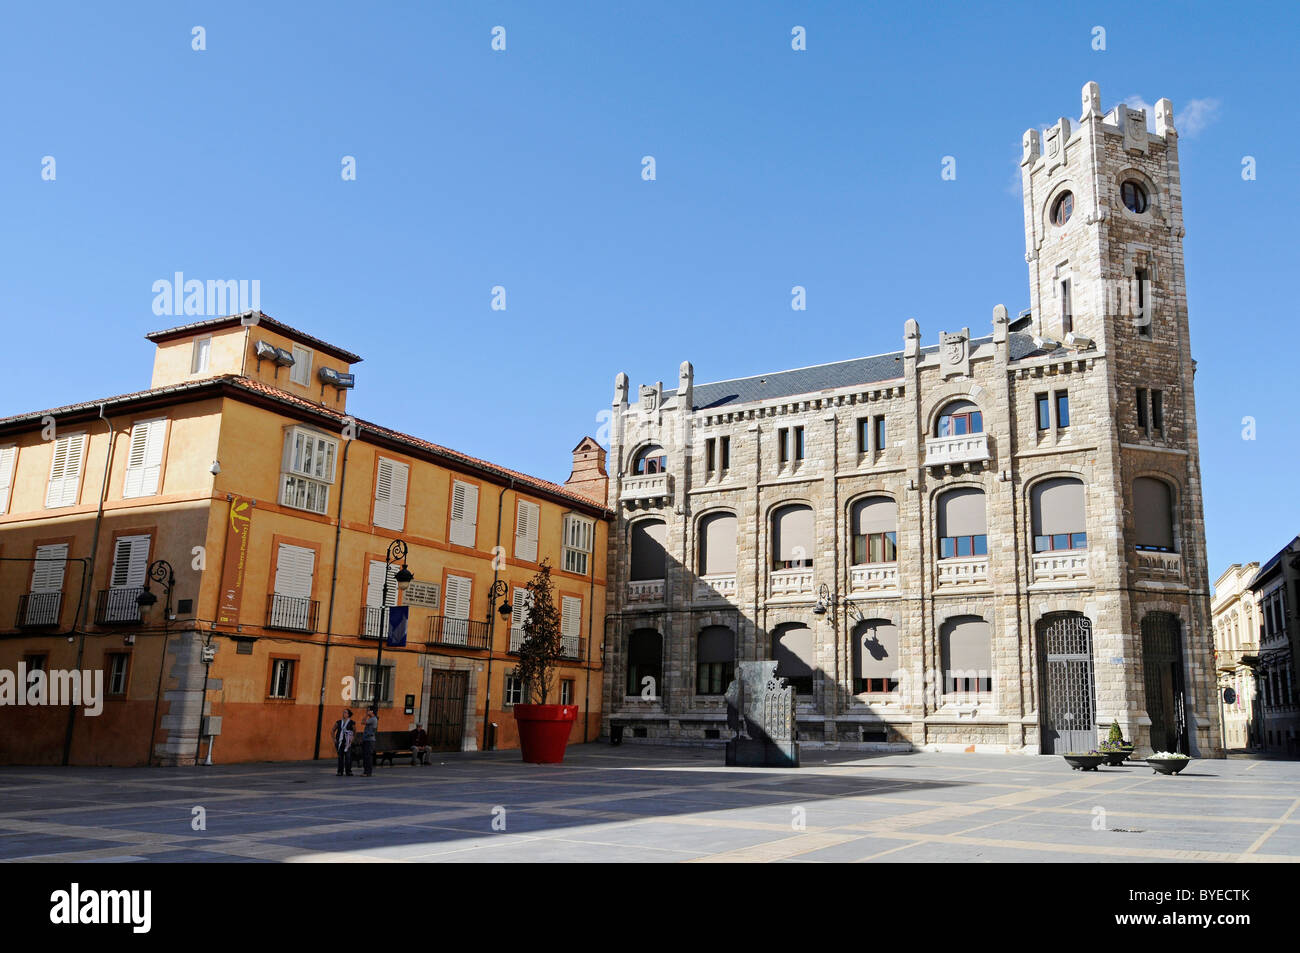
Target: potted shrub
{"points": [[543, 728], [1168, 762], [1115, 748], [1084, 760]]}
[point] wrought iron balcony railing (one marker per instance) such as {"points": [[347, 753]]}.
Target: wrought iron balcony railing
{"points": [[118, 606], [291, 613], [37, 610]]}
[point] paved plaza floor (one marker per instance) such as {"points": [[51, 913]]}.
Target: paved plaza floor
{"points": [[637, 803]]}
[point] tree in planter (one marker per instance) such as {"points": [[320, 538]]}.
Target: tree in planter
{"points": [[543, 643]]}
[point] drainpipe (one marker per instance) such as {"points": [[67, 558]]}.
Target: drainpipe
{"points": [[492, 617], [88, 581], [591, 631], [334, 581]]}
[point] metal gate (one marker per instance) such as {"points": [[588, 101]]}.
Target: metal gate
{"points": [[1069, 700], [447, 692], [1162, 667]]}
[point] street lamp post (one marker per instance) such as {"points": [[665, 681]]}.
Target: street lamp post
{"points": [[498, 590], [403, 577], [160, 571]]}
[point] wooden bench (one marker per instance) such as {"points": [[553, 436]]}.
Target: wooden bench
{"points": [[388, 745]]}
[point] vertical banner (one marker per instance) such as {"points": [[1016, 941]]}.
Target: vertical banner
{"points": [[397, 616], [235, 561]]}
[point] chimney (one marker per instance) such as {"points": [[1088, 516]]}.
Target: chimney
{"points": [[588, 477]]}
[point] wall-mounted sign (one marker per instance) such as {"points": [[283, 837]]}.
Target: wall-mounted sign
{"points": [[236, 560], [426, 595]]}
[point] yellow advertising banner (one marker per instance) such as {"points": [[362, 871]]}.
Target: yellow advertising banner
{"points": [[236, 558]]}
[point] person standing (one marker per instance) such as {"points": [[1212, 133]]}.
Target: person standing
{"points": [[368, 736], [343, 732]]}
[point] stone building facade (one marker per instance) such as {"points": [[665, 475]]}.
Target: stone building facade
{"points": [[1237, 624], [1276, 592], [991, 542]]}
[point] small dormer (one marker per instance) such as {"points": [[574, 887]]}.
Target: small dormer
{"points": [[259, 347]]}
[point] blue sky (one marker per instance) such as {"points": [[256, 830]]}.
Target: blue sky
{"points": [[522, 169]]}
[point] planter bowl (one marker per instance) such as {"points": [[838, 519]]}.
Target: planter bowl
{"points": [[1118, 756], [1168, 765], [1085, 762], [544, 731]]}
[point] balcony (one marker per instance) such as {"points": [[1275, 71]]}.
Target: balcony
{"points": [[118, 606], [645, 591], [949, 451], [291, 613], [873, 577], [570, 645], [1061, 565], [962, 571], [790, 582], [38, 610], [458, 633], [647, 488], [1160, 565], [715, 588]]}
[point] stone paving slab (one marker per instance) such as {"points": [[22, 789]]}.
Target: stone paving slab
{"points": [[639, 803]]}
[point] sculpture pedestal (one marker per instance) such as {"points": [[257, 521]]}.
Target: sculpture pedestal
{"points": [[753, 753], [760, 710]]}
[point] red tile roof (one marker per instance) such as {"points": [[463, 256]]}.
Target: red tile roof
{"points": [[211, 324]]}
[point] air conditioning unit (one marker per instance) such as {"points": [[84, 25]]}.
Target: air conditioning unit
{"points": [[342, 381], [264, 349], [211, 725]]}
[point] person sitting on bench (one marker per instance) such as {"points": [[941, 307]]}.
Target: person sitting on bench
{"points": [[420, 749]]}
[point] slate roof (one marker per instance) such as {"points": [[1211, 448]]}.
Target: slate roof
{"points": [[1266, 570], [822, 377]]}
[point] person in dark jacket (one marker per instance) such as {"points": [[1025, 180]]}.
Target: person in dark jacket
{"points": [[342, 733], [420, 746], [368, 738]]}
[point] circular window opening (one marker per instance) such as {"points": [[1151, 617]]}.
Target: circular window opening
{"points": [[1134, 196], [1062, 208]]}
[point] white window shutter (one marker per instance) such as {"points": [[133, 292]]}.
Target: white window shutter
{"points": [[464, 514], [522, 601], [527, 517], [571, 620], [375, 587], [293, 571], [130, 562], [458, 597], [47, 571], [390, 494], [8, 457], [65, 470], [144, 461]]}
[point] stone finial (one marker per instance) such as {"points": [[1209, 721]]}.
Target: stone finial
{"points": [[685, 374], [685, 385], [1032, 146], [1091, 101], [911, 338], [620, 389], [1165, 118], [1000, 322]]}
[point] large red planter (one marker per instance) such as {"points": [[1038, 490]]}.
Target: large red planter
{"points": [[544, 731]]}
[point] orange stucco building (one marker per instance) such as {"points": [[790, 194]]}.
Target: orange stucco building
{"points": [[274, 511]]}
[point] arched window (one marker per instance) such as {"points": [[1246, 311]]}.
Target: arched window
{"points": [[875, 657], [958, 418], [1153, 515], [648, 554], [792, 647], [1056, 511], [715, 659], [1062, 208], [967, 655], [875, 530], [792, 537], [645, 649], [962, 530], [650, 459], [1134, 196], [717, 544]]}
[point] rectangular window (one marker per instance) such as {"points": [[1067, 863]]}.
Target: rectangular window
{"points": [[710, 455], [144, 459], [391, 479], [1044, 412], [300, 373], [798, 443], [291, 599], [578, 533], [118, 665], [1067, 308], [566, 691], [8, 461], [864, 434], [46, 595], [1143, 425], [514, 689], [950, 546], [379, 596], [463, 530], [65, 470], [367, 677], [875, 548], [527, 516], [1140, 296], [130, 565], [1062, 408], [876, 686], [783, 446], [724, 453], [712, 678], [36, 662], [570, 624], [281, 678], [1158, 412], [202, 356], [881, 441], [307, 470]]}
